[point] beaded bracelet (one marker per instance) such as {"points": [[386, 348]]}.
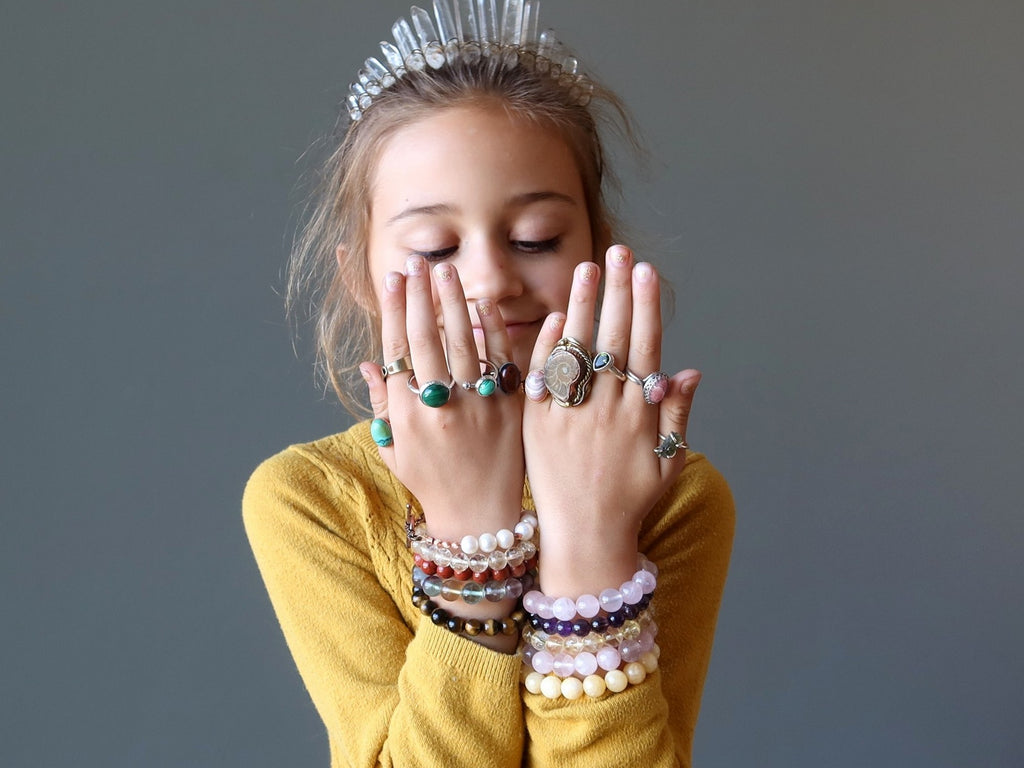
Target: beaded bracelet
{"points": [[583, 627], [486, 544], [488, 573], [608, 657], [594, 685], [470, 592], [538, 640], [510, 625], [612, 601]]}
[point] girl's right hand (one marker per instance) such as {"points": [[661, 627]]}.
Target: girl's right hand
{"points": [[463, 461]]}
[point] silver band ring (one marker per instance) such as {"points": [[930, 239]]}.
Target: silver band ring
{"points": [[434, 394], [670, 445], [605, 361], [401, 365], [568, 371], [487, 384]]}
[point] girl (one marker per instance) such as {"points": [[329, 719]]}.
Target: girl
{"points": [[458, 580]]}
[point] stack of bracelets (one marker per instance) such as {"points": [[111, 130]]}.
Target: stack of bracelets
{"points": [[491, 567], [592, 644]]}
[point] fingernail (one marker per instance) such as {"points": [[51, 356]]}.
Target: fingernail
{"points": [[619, 254], [588, 273], [555, 323], [365, 372], [484, 307], [690, 382], [392, 281], [643, 272], [414, 265], [443, 273]]}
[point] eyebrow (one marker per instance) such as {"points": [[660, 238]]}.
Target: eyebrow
{"points": [[517, 201]]}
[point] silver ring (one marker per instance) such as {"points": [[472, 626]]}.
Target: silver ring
{"points": [[605, 361], [434, 393], [655, 385], [397, 366], [487, 384], [568, 371], [670, 445]]}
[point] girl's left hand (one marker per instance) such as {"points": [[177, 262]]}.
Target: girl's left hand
{"points": [[592, 468]]}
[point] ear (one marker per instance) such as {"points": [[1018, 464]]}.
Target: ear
{"points": [[357, 283]]}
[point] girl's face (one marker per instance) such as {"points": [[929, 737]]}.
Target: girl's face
{"points": [[500, 198]]}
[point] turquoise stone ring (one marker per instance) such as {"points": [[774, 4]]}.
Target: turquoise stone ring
{"points": [[380, 431]]}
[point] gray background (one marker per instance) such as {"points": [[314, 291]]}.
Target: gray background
{"points": [[836, 190]]}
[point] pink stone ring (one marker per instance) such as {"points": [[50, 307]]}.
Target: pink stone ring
{"points": [[655, 385]]}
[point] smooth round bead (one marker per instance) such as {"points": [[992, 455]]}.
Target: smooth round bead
{"points": [[572, 688], [478, 563], [630, 650], [563, 665], [594, 686], [646, 640], [481, 578], [632, 593], [533, 681], [497, 560], [587, 606], [564, 608], [646, 581], [472, 592], [581, 627], [525, 530], [460, 563], [530, 518], [451, 590], [529, 549], [505, 538], [515, 557], [469, 545], [432, 586], [585, 663], [616, 681], [442, 557], [650, 662], [611, 599], [551, 687], [573, 645], [635, 672], [608, 658], [513, 588], [542, 662], [488, 543]]}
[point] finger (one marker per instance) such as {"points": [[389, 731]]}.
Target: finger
{"points": [[645, 330], [378, 392], [459, 343], [394, 341], [617, 305], [579, 318], [674, 412], [421, 324], [550, 333], [495, 336]]}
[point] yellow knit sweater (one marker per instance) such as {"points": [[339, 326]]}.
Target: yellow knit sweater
{"points": [[325, 521]]}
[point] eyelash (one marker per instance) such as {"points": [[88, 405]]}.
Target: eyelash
{"points": [[530, 247]]}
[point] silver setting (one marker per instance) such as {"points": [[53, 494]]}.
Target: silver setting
{"points": [[605, 361], [568, 372], [396, 366], [670, 445]]}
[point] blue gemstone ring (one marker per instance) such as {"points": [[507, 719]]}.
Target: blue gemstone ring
{"points": [[606, 362]]}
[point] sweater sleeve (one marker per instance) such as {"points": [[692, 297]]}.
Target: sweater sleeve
{"points": [[392, 689], [689, 536]]}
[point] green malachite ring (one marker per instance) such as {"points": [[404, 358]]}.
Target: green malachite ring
{"points": [[434, 394], [487, 384]]}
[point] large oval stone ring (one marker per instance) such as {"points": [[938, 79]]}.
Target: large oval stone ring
{"points": [[434, 394], [567, 372]]}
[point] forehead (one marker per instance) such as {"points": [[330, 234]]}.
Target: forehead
{"points": [[472, 151]]}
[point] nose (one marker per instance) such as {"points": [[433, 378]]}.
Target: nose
{"points": [[489, 270]]}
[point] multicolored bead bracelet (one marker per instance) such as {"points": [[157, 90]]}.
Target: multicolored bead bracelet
{"points": [[470, 592], [510, 625]]}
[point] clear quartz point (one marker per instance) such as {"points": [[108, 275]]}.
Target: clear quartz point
{"points": [[487, 21], [512, 23], [352, 103], [380, 72], [424, 27], [531, 13], [394, 58], [404, 39], [433, 52], [445, 22], [465, 20], [369, 82]]}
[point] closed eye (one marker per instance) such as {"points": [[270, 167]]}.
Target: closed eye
{"points": [[439, 255], [537, 246]]}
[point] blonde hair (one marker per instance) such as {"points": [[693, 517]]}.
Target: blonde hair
{"points": [[328, 279]]}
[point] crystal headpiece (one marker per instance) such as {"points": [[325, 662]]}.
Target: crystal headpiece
{"points": [[468, 31]]}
